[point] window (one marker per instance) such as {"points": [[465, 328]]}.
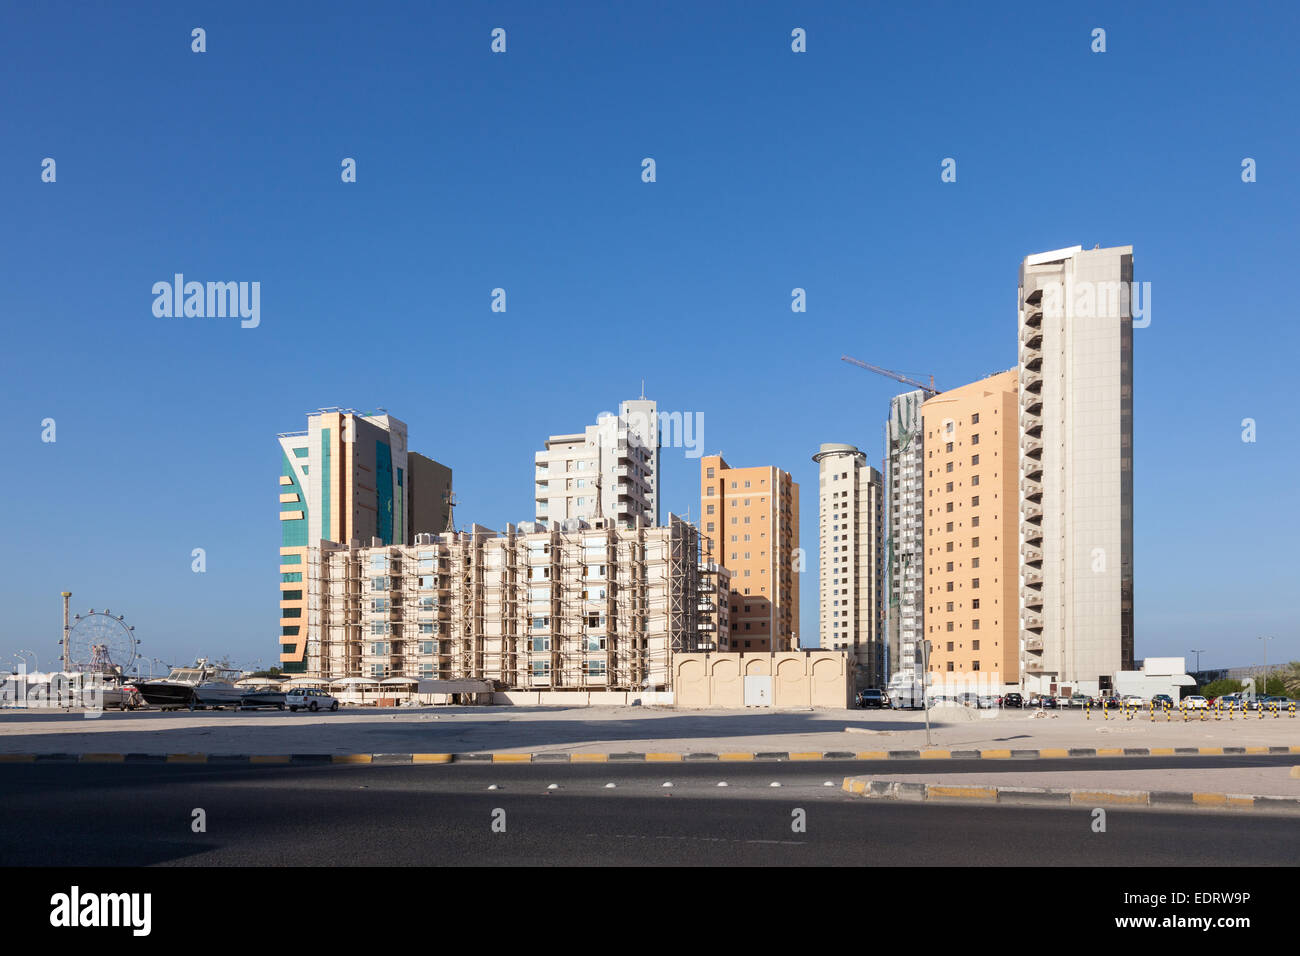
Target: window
{"points": [[975, 626], [975, 645], [948, 447], [974, 459], [949, 488], [950, 628], [974, 582], [974, 542], [974, 562], [975, 606], [950, 645], [974, 479], [708, 473], [974, 502], [949, 565], [975, 521], [949, 468], [975, 418]]}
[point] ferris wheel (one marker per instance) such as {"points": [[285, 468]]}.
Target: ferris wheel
{"points": [[100, 642]]}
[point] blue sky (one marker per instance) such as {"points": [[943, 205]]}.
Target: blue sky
{"points": [[522, 171]]}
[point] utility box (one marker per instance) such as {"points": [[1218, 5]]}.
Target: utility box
{"points": [[758, 691]]}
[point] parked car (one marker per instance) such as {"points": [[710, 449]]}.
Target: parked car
{"points": [[1049, 701], [1133, 700], [1079, 700], [1195, 702], [309, 698], [1161, 699], [872, 697], [1012, 700]]}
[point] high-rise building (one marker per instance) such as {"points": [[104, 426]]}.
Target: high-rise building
{"points": [[1076, 456], [972, 552], [851, 562], [750, 518], [348, 477], [596, 607], [904, 555], [608, 471]]}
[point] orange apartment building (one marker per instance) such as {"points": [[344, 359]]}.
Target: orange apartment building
{"points": [[749, 518], [971, 535]]}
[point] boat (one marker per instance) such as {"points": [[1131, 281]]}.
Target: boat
{"points": [[202, 685], [262, 697]]}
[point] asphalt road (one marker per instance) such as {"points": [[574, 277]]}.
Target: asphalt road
{"points": [[125, 815]]}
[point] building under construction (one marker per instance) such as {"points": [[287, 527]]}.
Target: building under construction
{"points": [[574, 605]]}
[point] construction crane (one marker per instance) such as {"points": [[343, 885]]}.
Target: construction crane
{"points": [[929, 390]]}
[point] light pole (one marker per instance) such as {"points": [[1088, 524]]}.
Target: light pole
{"points": [[1265, 640], [1198, 658], [36, 663]]}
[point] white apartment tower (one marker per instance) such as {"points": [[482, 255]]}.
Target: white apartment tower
{"points": [[1076, 467], [851, 565], [904, 514], [608, 471]]}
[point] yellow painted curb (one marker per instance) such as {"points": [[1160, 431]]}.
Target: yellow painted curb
{"points": [[1161, 751], [1210, 799], [187, 758], [938, 754], [853, 786], [101, 758], [872, 755], [1295, 750], [1056, 752], [806, 756], [735, 756], [663, 758], [18, 758], [1108, 796], [973, 793], [1256, 750], [265, 758], [1110, 751], [589, 758], [1214, 751], [351, 758], [995, 754], [430, 758], [512, 758], [1235, 801]]}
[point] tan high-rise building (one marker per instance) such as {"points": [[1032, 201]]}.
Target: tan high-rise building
{"points": [[750, 517], [348, 478], [1078, 309], [851, 565], [971, 535]]}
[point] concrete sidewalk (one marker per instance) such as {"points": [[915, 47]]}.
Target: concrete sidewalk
{"points": [[560, 730]]}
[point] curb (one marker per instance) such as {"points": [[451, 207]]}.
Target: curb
{"points": [[1060, 797], [493, 757]]}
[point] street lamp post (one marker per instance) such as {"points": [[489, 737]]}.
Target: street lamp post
{"points": [[1198, 658], [1265, 640]]}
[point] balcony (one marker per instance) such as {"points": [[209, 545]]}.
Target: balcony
{"points": [[1031, 380], [1033, 554], [1031, 446], [1033, 643], [1032, 533], [1032, 404], [1034, 316], [1031, 338], [1034, 469], [1033, 598], [1033, 577], [1035, 296], [1032, 620], [1031, 424], [1031, 489]]}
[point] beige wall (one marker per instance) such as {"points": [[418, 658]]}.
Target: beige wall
{"points": [[971, 540], [798, 679]]}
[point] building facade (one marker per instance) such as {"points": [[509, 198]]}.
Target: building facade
{"points": [[609, 471], [972, 550], [536, 607], [750, 522], [348, 477], [851, 566], [1076, 464], [904, 551]]}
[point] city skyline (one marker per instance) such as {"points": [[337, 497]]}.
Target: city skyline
{"points": [[162, 423]]}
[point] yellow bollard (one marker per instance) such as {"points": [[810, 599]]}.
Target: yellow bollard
{"points": [[1169, 713], [1087, 710], [1202, 710], [1183, 708], [1275, 712], [1291, 707], [1232, 705], [1153, 711], [1259, 705], [1218, 709]]}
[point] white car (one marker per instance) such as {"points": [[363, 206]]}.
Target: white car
{"points": [[309, 698], [1133, 700], [1195, 702]]}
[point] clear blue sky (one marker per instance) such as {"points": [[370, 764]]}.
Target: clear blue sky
{"points": [[522, 171]]}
